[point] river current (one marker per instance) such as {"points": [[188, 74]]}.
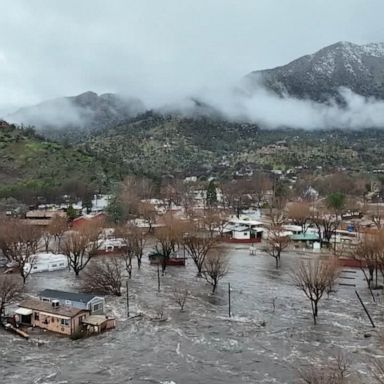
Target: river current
{"points": [[269, 337]]}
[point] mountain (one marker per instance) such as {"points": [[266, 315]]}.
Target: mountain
{"points": [[87, 111], [319, 76]]}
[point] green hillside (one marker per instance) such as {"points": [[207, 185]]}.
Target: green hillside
{"points": [[31, 165]]}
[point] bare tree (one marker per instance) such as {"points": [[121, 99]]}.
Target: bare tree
{"points": [[216, 266], [81, 246], [326, 223], [367, 253], [378, 370], [19, 241], [260, 185], [180, 296], [168, 237], [213, 220], [335, 372], [313, 277], [299, 213], [103, 277], [10, 288], [147, 211], [56, 228], [276, 243], [134, 243], [198, 245]]}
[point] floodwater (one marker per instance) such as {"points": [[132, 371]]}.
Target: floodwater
{"points": [[268, 338]]}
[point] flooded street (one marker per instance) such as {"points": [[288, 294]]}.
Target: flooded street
{"points": [[270, 335]]}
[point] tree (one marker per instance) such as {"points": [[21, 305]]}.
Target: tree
{"points": [[211, 198], [333, 373], [180, 296], [81, 246], [10, 288], [125, 204], [147, 211], [336, 202], [71, 213], [198, 245], [261, 184], [276, 243], [216, 266], [19, 241], [213, 220], [56, 228], [103, 277], [87, 201], [314, 277], [326, 224], [134, 243], [300, 214], [168, 237]]}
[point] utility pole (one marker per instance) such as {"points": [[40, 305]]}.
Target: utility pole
{"points": [[229, 299], [127, 299], [158, 276], [365, 309]]}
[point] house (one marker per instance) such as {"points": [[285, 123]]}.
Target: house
{"points": [[94, 304], [42, 218], [51, 316], [97, 218]]}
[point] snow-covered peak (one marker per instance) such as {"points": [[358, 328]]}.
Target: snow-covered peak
{"points": [[320, 75]]}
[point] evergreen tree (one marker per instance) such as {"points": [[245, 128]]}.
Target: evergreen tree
{"points": [[211, 194]]}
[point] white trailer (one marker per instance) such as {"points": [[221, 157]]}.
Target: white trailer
{"points": [[46, 262]]}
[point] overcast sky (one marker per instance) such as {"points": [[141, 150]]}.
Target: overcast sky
{"points": [[163, 48]]}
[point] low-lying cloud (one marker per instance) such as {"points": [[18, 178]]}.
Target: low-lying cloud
{"points": [[270, 110], [260, 106]]}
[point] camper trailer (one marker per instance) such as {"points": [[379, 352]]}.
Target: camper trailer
{"points": [[46, 262]]}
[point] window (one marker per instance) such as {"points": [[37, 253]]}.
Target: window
{"points": [[64, 322], [61, 264], [96, 307], [54, 265], [45, 299], [36, 315], [35, 267]]}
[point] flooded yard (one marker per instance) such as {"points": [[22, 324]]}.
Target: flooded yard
{"points": [[268, 338]]}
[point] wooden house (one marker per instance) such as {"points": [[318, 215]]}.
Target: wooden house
{"points": [[50, 316]]}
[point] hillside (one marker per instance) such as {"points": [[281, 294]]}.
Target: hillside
{"points": [[31, 165], [77, 115], [156, 145], [320, 75]]}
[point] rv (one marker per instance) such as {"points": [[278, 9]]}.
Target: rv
{"points": [[46, 262]]}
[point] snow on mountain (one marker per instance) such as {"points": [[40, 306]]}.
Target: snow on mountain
{"points": [[319, 76]]}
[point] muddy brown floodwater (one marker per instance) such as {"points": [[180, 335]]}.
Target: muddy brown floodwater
{"points": [[268, 338]]}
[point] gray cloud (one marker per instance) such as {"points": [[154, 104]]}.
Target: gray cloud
{"points": [[163, 51], [271, 111]]}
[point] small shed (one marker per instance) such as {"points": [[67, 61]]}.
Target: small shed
{"points": [[99, 323]]}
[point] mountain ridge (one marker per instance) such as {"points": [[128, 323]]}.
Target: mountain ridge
{"points": [[320, 75]]}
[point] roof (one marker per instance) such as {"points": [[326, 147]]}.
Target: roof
{"points": [[43, 306], [72, 296], [23, 311], [95, 320], [305, 237], [44, 214]]}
